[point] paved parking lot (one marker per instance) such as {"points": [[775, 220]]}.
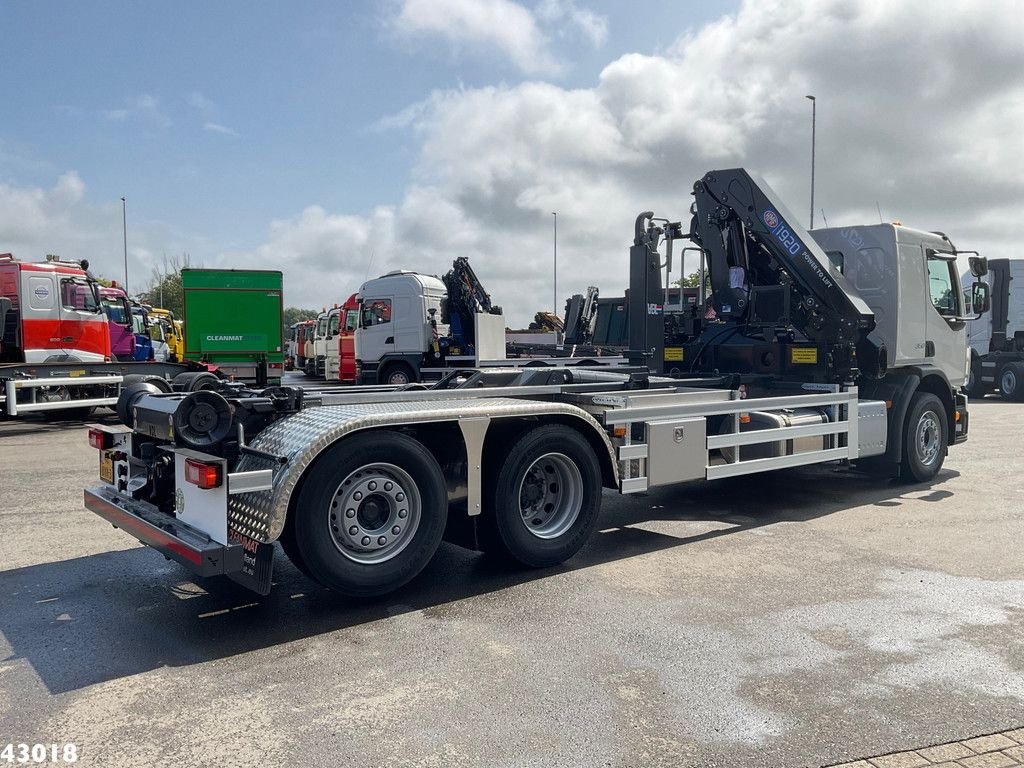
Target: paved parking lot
{"points": [[804, 618]]}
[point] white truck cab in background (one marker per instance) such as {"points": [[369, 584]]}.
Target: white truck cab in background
{"points": [[395, 329]]}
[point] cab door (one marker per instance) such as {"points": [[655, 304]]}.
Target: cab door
{"points": [[376, 335], [84, 332], [40, 316], [946, 334]]}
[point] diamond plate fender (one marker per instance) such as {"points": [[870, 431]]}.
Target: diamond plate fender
{"points": [[260, 515]]}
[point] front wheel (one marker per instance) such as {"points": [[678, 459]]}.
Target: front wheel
{"points": [[924, 439], [545, 498], [399, 374], [370, 514]]}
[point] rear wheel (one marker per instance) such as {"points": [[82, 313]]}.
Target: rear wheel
{"points": [[924, 438], [370, 514], [545, 497], [1011, 382]]}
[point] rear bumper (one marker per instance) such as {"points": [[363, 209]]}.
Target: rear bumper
{"points": [[175, 540]]}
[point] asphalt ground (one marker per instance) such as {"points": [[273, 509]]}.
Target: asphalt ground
{"points": [[801, 618]]}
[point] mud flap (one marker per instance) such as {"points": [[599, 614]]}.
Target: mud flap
{"points": [[257, 572]]}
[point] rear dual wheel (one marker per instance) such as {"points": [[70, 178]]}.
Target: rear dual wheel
{"points": [[370, 514], [544, 497]]}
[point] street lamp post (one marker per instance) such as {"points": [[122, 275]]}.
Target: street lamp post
{"points": [[124, 228], [814, 120], [555, 293]]}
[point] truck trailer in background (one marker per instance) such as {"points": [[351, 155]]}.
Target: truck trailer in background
{"points": [[233, 320]]}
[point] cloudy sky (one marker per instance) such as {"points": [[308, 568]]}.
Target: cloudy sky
{"points": [[336, 141]]}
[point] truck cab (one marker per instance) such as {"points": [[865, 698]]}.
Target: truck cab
{"points": [[910, 280], [398, 323], [316, 346], [172, 333], [119, 316], [340, 364], [55, 313]]}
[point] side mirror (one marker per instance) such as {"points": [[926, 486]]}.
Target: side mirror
{"points": [[981, 300], [979, 265]]}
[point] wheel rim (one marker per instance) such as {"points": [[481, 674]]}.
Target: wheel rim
{"points": [[928, 435], [1008, 383], [550, 495], [375, 513], [398, 377]]}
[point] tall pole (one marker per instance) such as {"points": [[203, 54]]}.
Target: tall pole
{"points": [[814, 120], [124, 227], [555, 293]]}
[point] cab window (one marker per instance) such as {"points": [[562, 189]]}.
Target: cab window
{"points": [[78, 295], [138, 323], [942, 287], [332, 325], [351, 320], [376, 312]]}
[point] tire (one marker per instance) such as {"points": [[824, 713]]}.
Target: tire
{"points": [[1011, 382], [534, 521], [363, 557], [195, 381], [397, 373], [291, 549], [925, 438]]}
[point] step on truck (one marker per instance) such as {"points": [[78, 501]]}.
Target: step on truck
{"points": [[61, 335], [233, 319], [360, 486]]}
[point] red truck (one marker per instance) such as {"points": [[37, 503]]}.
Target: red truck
{"points": [[55, 340], [340, 364]]}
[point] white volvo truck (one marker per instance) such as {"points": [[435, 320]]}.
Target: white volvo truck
{"points": [[359, 486]]}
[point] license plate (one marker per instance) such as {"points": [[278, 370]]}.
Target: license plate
{"points": [[106, 467]]}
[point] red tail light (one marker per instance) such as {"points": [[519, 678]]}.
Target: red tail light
{"points": [[204, 475], [275, 366], [99, 439]]}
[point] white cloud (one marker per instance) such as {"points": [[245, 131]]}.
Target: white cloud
{"points": [[923, 121], [218, 128], [142, 107], [592, 26], [482, 25], [199, 101]]}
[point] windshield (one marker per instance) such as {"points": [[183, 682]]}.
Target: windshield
{"points": [[115, 309]]}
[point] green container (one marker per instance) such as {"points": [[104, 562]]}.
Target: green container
{"points": [[233, 319]]}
